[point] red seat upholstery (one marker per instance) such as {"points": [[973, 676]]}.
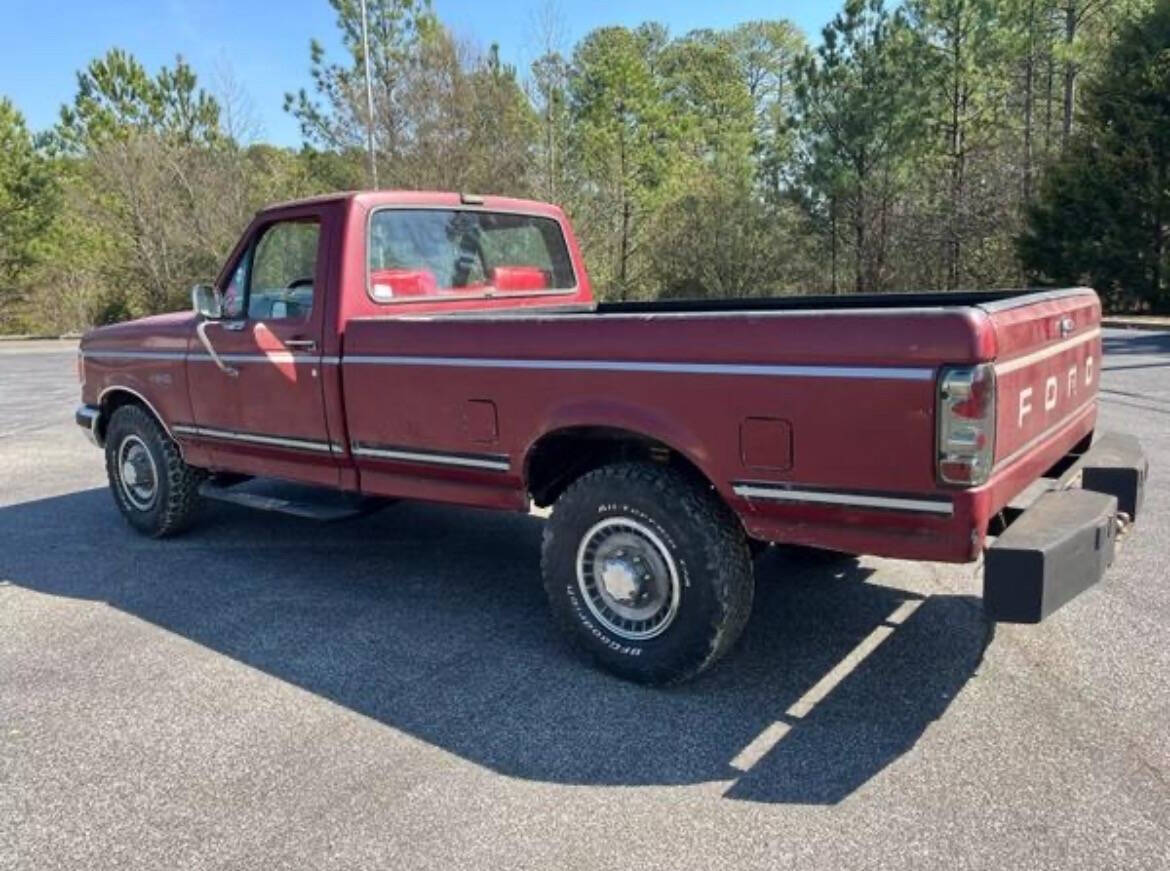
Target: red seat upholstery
{"points": [[519, 278], [387, 284]]}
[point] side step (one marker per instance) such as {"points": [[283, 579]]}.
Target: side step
{"points": [[299, 500]]}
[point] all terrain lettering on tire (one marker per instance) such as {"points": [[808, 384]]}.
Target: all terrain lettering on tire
{"points": [[631, 511], [596, 632]]}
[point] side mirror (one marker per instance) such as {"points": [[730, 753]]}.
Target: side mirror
{"points": [[207, 301]]}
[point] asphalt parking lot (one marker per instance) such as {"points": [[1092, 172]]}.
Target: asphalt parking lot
{"points": [[267, 692]]}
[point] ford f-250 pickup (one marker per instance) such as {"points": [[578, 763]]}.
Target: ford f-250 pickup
{"points": [[397, 345]]}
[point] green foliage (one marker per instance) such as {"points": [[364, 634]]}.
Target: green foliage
{"points": [[704, 91], [29, 198], [116, 98], [501, 128], [931, 143], [153, 194], [766, 53], [550, 85], [1103, 215], [961, 51], [445, 117], [335, 115], [625, 139], [654, 125], [718, 240], [862, 127]]}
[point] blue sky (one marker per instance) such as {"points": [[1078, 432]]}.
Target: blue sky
{"points": [[265, 44]]}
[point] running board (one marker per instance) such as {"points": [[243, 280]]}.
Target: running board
{"points": [[299, 500]]}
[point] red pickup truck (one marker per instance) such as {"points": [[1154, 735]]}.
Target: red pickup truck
{"points": [[389, 345]]}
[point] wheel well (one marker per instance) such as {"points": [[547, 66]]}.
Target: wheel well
{"points": [[117, 397], [560, 458]]}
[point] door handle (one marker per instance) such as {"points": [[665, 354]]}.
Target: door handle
{"points": [[301, 344]]}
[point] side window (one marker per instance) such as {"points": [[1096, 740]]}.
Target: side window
{"points": [[277, 276], [233, 294]]}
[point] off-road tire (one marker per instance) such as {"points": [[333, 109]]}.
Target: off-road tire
{"points": [[701, 535], [177, 500]]}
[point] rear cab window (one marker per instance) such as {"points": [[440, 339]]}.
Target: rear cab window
{"points": [[418, 254]]}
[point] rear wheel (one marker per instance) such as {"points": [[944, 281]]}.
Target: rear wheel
{"points": [[648, 570], [155, 490]]}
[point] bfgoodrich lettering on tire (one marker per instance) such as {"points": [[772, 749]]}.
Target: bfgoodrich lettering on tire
{"points": [[155, 490], [648, 570]]}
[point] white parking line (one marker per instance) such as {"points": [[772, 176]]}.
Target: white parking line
{"points": [[774, 732]]}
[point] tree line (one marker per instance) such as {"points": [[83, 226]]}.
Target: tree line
{"points": [[934, 144]]}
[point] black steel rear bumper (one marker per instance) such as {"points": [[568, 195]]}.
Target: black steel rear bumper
{"points": [[1062, 543]]}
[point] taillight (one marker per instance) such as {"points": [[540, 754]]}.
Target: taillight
{"points": [[966, 424], [80, 368]]}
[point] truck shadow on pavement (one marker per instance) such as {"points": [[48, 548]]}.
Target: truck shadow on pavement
{"points": [[432, 620]]}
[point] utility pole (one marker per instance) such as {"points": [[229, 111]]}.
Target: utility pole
{"points": [[369, 98]]}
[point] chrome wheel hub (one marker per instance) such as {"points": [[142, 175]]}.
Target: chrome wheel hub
{"points": [[620, 580], [628, 578], [137, 473]]}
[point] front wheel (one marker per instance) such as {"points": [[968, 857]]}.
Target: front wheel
{"points": [[155, 490], [649, 571]]}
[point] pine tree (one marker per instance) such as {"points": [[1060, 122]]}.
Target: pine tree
{"points": [[860, 129], [1103, 213], [28, 201], [961, 46], [624, 140]]}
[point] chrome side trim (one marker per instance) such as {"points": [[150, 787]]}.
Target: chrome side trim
{"points": [[891, 373], [272, 357], [877, 372], [257, 438], [856, 500], [134, 355], [1044, 353], [493, 462]]}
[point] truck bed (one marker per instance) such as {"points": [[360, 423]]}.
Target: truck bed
{"points": [[829, 302], [839, 393], [987, 300]]}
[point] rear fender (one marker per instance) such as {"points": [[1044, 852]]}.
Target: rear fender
{"points": [[634, 419]]}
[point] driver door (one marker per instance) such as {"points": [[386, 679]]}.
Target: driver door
{"points": [[262, 411]]}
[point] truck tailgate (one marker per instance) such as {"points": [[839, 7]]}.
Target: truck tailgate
{"points": [[1048, 359]]}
